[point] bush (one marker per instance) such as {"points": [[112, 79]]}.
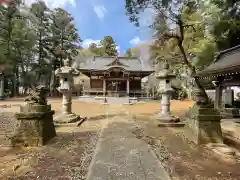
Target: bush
{"points": [[179, 93]]}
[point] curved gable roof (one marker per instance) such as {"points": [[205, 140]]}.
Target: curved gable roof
{"points": [[102, 63], [227, 61]]}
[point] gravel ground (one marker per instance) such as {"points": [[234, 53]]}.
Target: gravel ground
{"points": [[8, 124], [184, 160], [66, 157]]}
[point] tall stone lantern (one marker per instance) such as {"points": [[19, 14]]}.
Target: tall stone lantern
{"points": [[66, 74], [165, 76]]}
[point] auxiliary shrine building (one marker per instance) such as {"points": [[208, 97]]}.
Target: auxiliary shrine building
{"points": [[225, 72], [115, 76]]}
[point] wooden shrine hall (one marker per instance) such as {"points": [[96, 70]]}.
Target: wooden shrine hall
{"points": [[115, 76], [224, 72]]}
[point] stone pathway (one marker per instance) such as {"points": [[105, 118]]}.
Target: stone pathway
{"points": [[119, 155]]}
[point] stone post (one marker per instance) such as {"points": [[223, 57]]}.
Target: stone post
{"points": [[2, 86], [165, 89], [35, 121], [66, 74]]}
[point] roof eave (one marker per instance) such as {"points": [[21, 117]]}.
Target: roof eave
{"points": [[226, 71]]}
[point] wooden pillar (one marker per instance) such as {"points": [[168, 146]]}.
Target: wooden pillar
{"points": [[128, 87], [104, 87], [228, 96], [218, 93]]}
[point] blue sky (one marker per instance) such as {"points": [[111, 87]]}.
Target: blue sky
{"points": [[95, 19]]}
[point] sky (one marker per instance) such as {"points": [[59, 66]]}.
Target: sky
{"points": [[95, 19]]}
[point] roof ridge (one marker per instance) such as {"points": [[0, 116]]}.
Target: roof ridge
{"points": [[120, 57], [226, 52]]}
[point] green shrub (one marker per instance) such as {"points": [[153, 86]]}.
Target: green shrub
{"points": [[179, 93]]}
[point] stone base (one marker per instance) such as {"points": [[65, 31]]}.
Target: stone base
{"points": [[166, 118], [35, 128], [66, 118], [203, 125], [167, 121]]}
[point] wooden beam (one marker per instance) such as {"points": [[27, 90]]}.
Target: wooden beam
{"points": [[230, 83]]}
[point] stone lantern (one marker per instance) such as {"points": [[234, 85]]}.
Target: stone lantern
{"points": [[66, 74], [165, 76]]}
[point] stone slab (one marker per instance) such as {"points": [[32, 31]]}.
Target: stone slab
{"points": [[166, 119], [75, 124], [119, 155], [178, 124], [66, 118]]}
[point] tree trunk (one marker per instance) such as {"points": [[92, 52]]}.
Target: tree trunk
{"points": [[17, 82], [193, 71]]}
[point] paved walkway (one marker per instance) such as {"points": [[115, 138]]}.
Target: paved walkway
{"points": [[119, 155]]}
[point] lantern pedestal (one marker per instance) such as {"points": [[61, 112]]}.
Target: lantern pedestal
{"points": [[164, 118]]}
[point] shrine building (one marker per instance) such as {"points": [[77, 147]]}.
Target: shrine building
{"points": [[224, 72], [115, 76]]}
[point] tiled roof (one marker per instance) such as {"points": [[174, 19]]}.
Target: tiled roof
{"points": [[227, 61], [105, 63]]}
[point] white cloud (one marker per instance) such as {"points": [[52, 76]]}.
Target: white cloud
{"points": [[135, 41], [100, 11], [118, 49], [54, 3], [87, 42]]}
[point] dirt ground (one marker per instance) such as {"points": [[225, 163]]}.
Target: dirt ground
{"points": [[73, 148], [65, 157], [184, 160], [155, 106], [96, 109]]}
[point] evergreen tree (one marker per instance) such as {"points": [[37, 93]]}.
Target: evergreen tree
{"points": [[42, 28], [108, 46]]}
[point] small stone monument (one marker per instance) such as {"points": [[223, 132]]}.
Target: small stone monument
{"points": [[203, 121], [165, 76], [36, 120], [66, 74]]}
